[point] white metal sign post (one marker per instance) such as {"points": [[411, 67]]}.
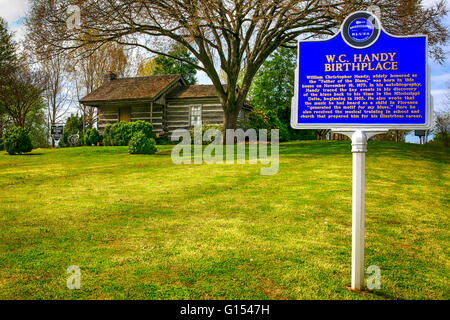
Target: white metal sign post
{"points": [[359, 149], [359, 83]]}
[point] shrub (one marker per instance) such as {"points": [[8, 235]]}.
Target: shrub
{"points": [[206, 127], [91, 137], [296, 134], [119, 134], [442, 139], [18, 141], [106, 137], [145, 127], [73, 127], [2, 144], [140, 144], [284, 132], [267, 119], [164, 141]]}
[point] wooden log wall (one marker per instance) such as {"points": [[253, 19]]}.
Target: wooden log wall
{"points": [[148, 113], [107, 115], [178, 113], [212, 113], [165, 118]]}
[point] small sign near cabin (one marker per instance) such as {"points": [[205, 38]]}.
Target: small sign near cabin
{"points": [[420, 133], [362, 77], [57, 131]]}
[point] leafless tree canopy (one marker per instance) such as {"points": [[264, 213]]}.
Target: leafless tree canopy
{"points": [[233, 35], [409, 17], [446, 99], [87, 71], [20, 92], [55, 94]]}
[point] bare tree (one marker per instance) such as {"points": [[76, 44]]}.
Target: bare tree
{"points": [[321, 134], [235, 36], [446, 100], [408, 17], [55, 94], [441, 127], [88, 69], [392, 135], [21, 93]]}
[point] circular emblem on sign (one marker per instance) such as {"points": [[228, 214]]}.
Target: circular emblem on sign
{"points": [[360, 29]]}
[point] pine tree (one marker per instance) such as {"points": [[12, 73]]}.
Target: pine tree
{"points": [[8, 60]]}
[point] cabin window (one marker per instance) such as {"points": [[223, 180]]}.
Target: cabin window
{"points": [[196, 115]]}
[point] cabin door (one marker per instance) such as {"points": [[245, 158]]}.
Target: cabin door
{"points": [[125, 114]]}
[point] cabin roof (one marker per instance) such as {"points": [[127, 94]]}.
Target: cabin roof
{"points": [[198, 91], [193, 91], [137, 88], [149, 88]]}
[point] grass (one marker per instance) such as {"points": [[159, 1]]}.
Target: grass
{"points": [[140, 227]]}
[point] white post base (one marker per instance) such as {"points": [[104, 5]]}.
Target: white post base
{"points": [[359, 148]]}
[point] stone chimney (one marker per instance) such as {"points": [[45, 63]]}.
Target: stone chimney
{"points": [[109, 76]]}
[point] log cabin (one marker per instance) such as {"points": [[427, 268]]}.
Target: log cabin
{"points": [[166, 101]]}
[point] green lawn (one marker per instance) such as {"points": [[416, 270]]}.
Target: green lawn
{"points": [[140, 227]]}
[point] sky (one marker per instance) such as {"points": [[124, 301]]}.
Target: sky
{"points": [[14, 11]]}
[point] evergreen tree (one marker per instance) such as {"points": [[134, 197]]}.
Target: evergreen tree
{"points": [[273, 88], [8, 61], [8, 58]]}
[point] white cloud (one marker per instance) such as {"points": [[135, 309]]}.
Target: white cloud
{"points": [[19, 32], [437, 92], [441, 78], [429, 3], [12, 10], [439, 99]]}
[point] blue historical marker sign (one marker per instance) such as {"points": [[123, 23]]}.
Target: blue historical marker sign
{"points": [[363, 77]]}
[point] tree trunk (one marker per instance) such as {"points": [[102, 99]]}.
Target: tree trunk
{"points": [[84, 121], [22, 122], [231, 112], [1, 125], [230, 120]]}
